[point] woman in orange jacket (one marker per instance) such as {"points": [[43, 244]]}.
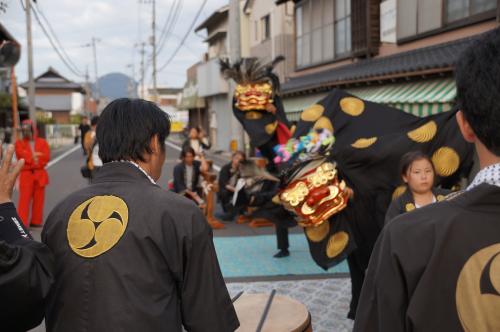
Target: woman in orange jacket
{"points": [[33, 178]]}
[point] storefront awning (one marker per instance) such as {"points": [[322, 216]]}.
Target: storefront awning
{"points": [[419, 98]]}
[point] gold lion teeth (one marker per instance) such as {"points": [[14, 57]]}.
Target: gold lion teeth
{"points": [[336, 244], [363, 143], [352, 106], [312, 113], [446, 161], [424, 133]]}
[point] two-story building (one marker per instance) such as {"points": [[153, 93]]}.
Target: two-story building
{"points": [[271, 33], [398, 52]]}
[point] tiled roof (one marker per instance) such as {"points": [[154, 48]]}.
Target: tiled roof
{"points": [[442, 56]]}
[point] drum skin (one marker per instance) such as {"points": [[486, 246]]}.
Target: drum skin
{"points": [[285, 314]]}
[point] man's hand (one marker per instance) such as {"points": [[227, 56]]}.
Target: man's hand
{"points": [[8, 174]]}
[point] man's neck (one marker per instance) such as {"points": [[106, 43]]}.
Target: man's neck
{"points": [[486, 158], [145, 166]]}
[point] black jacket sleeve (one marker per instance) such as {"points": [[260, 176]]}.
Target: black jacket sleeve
{"points": [[179, 181], [383, 301], [206, 305], [26, 274]]}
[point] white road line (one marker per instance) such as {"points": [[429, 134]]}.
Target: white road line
{"points": [[178, 148], [64, 155]]}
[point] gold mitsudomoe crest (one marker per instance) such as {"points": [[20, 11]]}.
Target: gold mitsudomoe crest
{"points": [[97, 225]]}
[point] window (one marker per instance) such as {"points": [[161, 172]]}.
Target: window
{"points": [[323, 31], [460, 9], [266, 27], [342, 26]]}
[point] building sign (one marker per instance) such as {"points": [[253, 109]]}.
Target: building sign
{"points": [[388, 14]]}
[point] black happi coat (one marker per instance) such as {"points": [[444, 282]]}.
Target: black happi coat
{"points": [[26, 274], [133, 257], [406, 203], [437, 269]]}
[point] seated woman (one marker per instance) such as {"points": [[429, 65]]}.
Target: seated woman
{"points": [[417, 172], [228, 177], [196, 140], [187, 175]]}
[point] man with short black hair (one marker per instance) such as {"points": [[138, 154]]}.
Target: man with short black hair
{"points": [[438, 268], [130, 255]]}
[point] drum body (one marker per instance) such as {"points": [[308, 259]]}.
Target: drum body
{"points": [[285, 314]]}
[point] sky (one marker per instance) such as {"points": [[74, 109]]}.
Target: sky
{"points": [[120, 25]]}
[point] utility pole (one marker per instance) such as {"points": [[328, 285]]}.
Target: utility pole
{"points": [[143, 52], [94, 40], [15, 113], [235, 55], [131, 81], [86, 101], [153, 41], [31, 81]]}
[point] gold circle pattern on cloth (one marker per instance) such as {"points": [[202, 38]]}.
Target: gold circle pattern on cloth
{"points": [[424, 133], [363, 143], [318, 233], [312, 113], [352, 106], [251, 115], [410, 207], [336, 244], [398, 192], [271, 127], [324, 123], [440, 198], [477, 294], [446, 161], [97, 225]]}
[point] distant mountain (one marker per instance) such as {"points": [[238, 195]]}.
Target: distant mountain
{"points": [[117, 85]]}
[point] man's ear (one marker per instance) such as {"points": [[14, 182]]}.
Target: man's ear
{"points": [[154, 144], [465, 128]]}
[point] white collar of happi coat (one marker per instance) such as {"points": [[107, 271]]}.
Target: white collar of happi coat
{"points": [[138, 167], [489, 175]]}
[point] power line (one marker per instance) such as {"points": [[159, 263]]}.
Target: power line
{"points": [[174, 14], [52, 42], [39, 9], [168, 21], [185, 37]]}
